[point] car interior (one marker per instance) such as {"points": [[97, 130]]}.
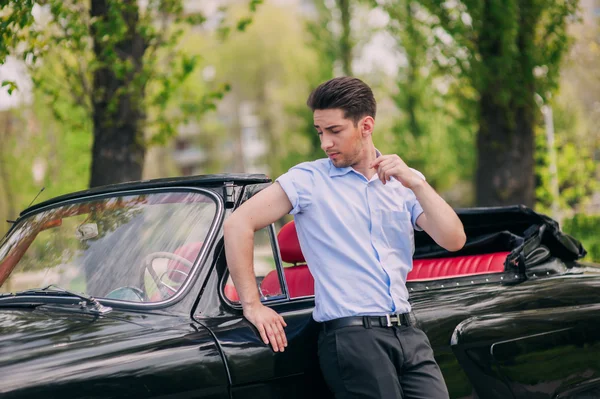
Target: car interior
{"points": [[510, 240]]}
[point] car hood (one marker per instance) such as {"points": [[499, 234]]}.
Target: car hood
{"points": [[34, 333], [42, 343]]}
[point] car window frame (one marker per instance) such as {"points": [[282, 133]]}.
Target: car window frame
{"points": [[200, 260], [284, 297]]}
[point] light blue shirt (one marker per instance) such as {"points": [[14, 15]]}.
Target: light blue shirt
{"points": [[357, 237]]}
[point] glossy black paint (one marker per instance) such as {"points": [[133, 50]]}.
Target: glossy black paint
{"points": [[54, 351], [534, 335], [482, 326]]}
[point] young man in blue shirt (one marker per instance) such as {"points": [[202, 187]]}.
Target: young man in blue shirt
{"points": [[355, 214]]}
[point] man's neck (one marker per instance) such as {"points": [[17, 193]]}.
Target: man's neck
{"points": [[362, 167]]}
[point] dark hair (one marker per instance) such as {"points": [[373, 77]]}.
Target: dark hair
{"points": [[351, 95]]}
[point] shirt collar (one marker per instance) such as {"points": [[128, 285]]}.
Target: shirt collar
{"points": [[333, 171]]}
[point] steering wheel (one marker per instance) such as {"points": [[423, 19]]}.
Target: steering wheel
{"points": [[162, 286], [127, 293]]}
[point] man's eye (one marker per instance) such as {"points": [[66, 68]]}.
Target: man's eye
{"points": [[335, 131], [319, 133]]}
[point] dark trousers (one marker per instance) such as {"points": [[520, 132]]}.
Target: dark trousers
{"points": [[379, 362]]}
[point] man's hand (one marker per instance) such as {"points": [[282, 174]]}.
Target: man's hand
{"points": [[393, 166], [269, 324]]}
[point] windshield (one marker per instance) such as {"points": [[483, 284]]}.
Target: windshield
{"points": [[137, 248]]}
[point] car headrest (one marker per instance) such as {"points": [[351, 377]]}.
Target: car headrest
{"points": [[289, 246], [177, 271]]}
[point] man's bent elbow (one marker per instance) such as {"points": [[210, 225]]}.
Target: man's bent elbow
{"points": [[457, 243], [236, 228], [462, 238]]}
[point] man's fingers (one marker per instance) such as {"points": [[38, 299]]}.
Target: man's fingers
{"points": [[269, 325], [282, 334], [263, 333], [382, 166], [272, 337], [381, 171], [378, 160], [283, 324], [279, 336], [386, 171], [380, 174]]}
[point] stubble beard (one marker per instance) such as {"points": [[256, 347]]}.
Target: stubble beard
{"points": [[344, 161]]}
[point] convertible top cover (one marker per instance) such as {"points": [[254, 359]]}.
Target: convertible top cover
{"points": [[518, 229]]}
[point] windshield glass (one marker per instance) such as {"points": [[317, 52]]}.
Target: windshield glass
{"points": [[137, 248]]}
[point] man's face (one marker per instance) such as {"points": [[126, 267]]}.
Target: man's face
{"points": [[340, 138]]}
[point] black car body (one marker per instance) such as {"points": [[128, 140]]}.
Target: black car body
{"points": [[166, 322]]}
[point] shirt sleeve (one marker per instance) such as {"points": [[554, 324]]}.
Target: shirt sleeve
{"points": [[413, 205], [298, 185]]}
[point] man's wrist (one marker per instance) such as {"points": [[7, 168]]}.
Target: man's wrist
{"points": [[249, 306], [418, 186]]}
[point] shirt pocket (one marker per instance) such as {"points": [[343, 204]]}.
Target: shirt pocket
{"points": [[397, 230]]}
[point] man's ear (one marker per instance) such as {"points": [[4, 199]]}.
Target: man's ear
{"points": [[367, 125]]}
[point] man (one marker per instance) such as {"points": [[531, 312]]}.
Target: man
{"points": [[355, 212]]}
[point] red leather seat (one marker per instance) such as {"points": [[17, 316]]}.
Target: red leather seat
{"points": [[459, 266], [231, 293], [298, 278]]}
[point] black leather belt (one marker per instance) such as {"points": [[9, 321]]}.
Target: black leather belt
{"points": [[390, 320]]}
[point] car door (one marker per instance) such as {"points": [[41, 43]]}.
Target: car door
{"points": [[255, 370]]}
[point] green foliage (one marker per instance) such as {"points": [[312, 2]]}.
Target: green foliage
{"points": [[586, 229], [64, 152], [10, 85], [577, 171], [269, 67], [500, 54], [64, 39], [505, 41], [32, 138], [436, 106], [15, 18], [303, 143]]}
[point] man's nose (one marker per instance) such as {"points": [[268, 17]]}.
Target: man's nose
{"points": [[326, 143]]}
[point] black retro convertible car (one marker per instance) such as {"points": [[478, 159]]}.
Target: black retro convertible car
{"points": [[123, 291]]}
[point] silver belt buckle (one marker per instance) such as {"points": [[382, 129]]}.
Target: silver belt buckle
{"points": [[390, 319]]}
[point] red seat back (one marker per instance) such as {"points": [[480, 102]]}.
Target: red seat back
{"points": [[459, 266], [298, 278], [231, 293], [289, 246]]}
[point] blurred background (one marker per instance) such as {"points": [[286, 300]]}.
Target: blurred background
{"points": [[497, 102]]}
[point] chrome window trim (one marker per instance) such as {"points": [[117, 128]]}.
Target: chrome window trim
{"points": [[196, 267], [273, 300], [278, 261]]}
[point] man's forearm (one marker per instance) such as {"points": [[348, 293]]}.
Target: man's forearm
{"points": [[443, 225], [239, 250]]}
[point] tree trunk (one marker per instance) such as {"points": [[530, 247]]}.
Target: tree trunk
{"points": [[345, 40], [505, 172], [118, 116], [505, 141], [412, 45]]}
